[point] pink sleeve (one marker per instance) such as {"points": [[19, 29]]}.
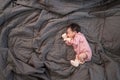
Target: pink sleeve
{"points": [[74, 41]]}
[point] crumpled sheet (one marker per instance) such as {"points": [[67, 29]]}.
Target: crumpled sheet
{"points": [[31, 47]]}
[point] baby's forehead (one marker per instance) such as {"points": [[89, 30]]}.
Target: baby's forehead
{"points": [[69, 29]]}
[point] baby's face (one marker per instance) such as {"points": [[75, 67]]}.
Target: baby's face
{"points": [[70, 33]]}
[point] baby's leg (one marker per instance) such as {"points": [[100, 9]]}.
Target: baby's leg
{"points": [[79, 59], [75, 62], [82, 58]]}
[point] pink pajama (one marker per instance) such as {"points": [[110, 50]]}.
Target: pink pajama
{"points": [[80, 45]]}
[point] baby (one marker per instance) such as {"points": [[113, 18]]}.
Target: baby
{"points": [[75, 38]]}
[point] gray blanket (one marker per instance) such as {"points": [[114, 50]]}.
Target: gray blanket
{"points": [[31, 47]]}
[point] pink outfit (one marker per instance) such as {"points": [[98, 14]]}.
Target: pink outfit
{"points": [[81, 45]]}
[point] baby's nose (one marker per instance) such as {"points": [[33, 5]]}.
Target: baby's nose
{"points": [[68, 36]]}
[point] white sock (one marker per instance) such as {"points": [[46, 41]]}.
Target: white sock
{"points": [[75, 63]]}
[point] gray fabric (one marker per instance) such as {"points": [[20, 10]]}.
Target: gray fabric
{"points": [[31, 47]]}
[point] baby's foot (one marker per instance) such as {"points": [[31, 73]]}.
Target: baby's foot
{"points": [[81, 62], [74, 63]]}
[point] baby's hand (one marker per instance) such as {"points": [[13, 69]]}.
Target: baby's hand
{"points": [[67, 39], [64, 36]]}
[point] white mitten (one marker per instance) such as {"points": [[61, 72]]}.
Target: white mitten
{"points": [[64, 35], [67, 39]]}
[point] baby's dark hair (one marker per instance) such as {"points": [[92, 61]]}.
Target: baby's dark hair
{"points": [[74, 27]]}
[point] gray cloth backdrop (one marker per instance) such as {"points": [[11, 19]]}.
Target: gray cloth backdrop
{"points": [[31, 47]]}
